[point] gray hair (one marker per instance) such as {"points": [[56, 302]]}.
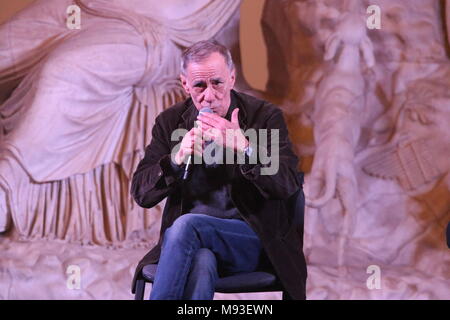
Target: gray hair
{"points": [[203, 49]]}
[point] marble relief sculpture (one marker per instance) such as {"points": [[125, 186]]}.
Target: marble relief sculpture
{"points": [[339, 109], [78, 119], [368, 113]]}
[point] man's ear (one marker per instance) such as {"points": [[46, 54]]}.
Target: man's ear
{"points": [[184, 83], [233, 77]]}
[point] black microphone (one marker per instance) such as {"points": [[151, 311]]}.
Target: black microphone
{"points": [[189, 162]]}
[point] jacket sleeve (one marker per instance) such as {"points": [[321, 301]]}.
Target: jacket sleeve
{"points": [[156, 176], [276, 178]]}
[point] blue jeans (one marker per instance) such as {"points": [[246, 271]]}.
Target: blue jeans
{"points": [[196, 249]]}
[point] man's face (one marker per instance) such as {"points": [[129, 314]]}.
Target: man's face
{"points": [[209, 83]]}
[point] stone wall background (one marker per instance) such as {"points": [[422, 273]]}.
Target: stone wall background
{"points": [[368, 113]]}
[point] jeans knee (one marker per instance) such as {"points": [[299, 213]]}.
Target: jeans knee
{"points": [[182, 229], [206, 259]]}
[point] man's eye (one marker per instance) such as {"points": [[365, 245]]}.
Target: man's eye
{"points": [[199, 85], [217, 85]]}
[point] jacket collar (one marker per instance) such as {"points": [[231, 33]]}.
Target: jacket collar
{"points": [[190, 114]]}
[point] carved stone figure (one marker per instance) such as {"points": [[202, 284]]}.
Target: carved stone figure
{"points": [[339, 110], [339, 102]]}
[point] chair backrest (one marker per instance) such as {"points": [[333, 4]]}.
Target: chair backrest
{"points": [[297, 203], [448, 235], [300, 201]]}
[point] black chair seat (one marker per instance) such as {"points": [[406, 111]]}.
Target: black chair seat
{"points": [[242, 282], [248, 282]]}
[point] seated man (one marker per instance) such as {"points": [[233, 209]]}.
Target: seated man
{"points": [[219, 218]]}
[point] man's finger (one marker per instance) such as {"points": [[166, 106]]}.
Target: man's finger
{"points": [[211, 119], [207, 135], [205, 126], [234, 116]]}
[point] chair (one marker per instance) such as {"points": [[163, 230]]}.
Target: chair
{"points": [[257, 281], [448, 235]]}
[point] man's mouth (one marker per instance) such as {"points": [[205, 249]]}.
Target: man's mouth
{"points": [[214, 109]]}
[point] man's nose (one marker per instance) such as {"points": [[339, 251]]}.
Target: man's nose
{"points": [[209, 94]]}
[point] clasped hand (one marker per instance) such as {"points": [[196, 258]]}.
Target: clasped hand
{"points": [[211, 126]]}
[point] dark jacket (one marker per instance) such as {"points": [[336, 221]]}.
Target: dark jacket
{"points": [[261, 199]]}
